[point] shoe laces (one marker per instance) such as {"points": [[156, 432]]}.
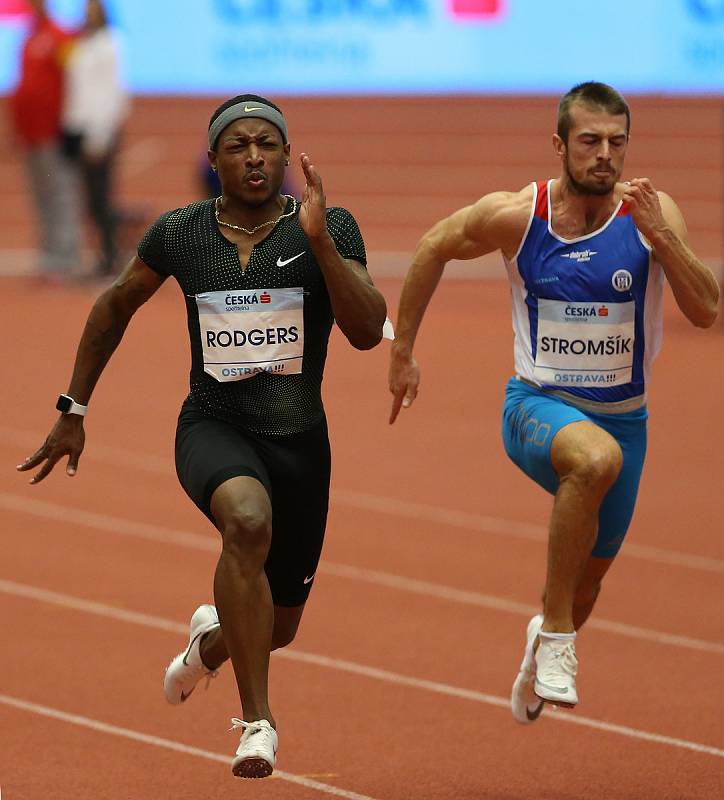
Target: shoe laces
{"points": [[240, 723], [562, 658], [254, 728]]}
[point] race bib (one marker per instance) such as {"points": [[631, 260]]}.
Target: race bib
{"points": [[245, 332], [584, 344]]}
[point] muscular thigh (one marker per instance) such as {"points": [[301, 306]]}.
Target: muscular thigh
{"points": [[299, 469], [209, 452], [531, 420], [294, 471], [618, 505]]}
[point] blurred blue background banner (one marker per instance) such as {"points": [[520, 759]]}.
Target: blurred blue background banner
{"points": [[402, 46]]}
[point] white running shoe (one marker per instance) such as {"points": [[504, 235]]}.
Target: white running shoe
{"points": [[556, 668], [524, 703], [187, 669], [257, 751]]}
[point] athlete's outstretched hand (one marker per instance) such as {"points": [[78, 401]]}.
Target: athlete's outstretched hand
{"points": [[645, 206], [67, 438], [312, 214], [404, 379]]}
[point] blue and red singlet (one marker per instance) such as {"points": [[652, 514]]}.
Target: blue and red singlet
{"points": [[587, 312]]}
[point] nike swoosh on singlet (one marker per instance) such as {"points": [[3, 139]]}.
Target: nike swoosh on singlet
{"points": [[310, 578], [281, 263], [248, 109]]}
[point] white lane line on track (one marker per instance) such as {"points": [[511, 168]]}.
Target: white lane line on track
{"points": [[167, 744], [422, 512], [505, 527], [149, 621], [503, 604], [156, 533]]}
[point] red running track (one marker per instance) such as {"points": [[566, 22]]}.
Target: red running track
{"points": [[397, 685]]}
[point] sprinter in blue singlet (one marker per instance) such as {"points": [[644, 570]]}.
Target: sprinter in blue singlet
{"points": [[586, 256]]}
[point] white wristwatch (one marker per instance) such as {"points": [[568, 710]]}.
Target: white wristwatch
{"points": [[67, 405]]}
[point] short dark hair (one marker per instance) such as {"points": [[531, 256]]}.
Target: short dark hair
{"points": [[594, 95], [242, 98]]}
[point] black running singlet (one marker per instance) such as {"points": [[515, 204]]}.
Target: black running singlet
{"points": [[187, 244]]}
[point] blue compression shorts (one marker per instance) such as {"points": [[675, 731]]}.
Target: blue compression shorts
{"points": [[531, 418]]}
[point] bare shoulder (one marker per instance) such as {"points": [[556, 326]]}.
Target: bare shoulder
{"points": [[136, 284], [508, 203], [672, 214], [502, 217], [667, 201], [497, 221]]}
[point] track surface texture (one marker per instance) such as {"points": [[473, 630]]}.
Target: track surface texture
{"points": [[397, 685]]}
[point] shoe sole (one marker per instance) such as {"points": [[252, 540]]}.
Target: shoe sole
{"points": [[554, 701], [530, 716], [252, 768], [171, 697]]}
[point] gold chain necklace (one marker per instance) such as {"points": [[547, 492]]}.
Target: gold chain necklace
{"points": [[258, 227]]}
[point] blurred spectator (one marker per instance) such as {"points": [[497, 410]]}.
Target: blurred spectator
{"points": [[36, 110], [95, 108]]}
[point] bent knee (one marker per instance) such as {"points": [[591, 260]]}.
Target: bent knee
{"points": [[599, 466], [286, 625], [284, 635], [283, 638], [246, 530]]}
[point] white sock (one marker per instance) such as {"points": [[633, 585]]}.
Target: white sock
{"points": [[555, 636]]}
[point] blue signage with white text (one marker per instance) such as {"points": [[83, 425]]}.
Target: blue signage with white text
{"points": [[401, 46]]}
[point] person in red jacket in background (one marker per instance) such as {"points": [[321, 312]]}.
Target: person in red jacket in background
{"points": [[35, 110]]}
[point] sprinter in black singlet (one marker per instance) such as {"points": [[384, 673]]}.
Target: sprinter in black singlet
{"points": [[263, 277]]}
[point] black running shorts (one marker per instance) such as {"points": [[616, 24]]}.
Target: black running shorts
{"points": [[295, 471]]}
